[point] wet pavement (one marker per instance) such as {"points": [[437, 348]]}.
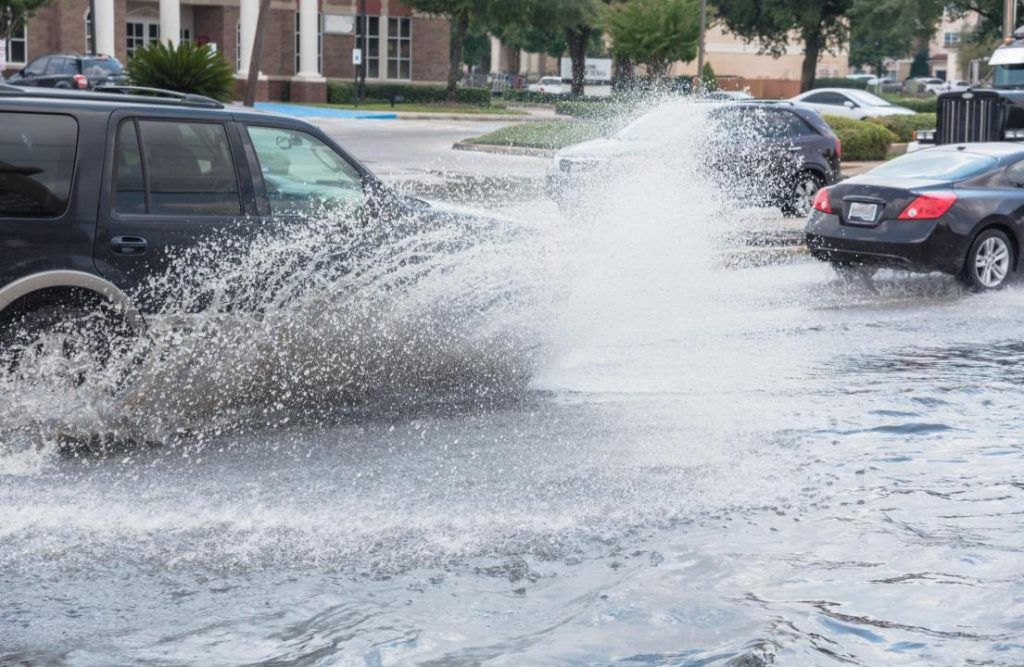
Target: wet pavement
{"points": [[704, 465]]}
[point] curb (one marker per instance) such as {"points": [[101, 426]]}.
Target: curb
{"points": [[481, 117], [503, 150]]}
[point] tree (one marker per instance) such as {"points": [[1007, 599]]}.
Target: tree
{"points": [[884, 29], [655, 33], [460, 13], [578, 20], [820, 24], [708, 79], [14, 14]]}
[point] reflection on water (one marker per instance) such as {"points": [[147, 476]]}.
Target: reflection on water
{"points": [[701, 465]]}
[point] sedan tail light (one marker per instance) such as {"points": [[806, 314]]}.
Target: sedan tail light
{"points": [[928, 207], [822, 202], [80, 80], [839, 147]]}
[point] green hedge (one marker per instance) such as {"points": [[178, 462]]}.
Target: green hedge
{"points": [[838, 82], [905, 126], [580, 108], [917, 104], [344, 92], [530, 97], [862, 140]]}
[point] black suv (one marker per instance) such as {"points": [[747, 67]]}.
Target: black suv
{"points": [[71, 71], [773, 153], [101, 191]]}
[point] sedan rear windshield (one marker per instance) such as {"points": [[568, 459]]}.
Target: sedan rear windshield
{"points": [[931, 165]]}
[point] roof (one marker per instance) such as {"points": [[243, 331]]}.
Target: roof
{"points": [[996, 149], [119, 95]]}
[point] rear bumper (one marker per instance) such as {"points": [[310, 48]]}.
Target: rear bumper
{"points": [[914, 245]]}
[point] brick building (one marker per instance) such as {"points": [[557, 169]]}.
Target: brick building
{"points": [[306, 41]]}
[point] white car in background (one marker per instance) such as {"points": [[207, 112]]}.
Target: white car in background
{"points": [[948, 87], [552, 85], [849, 103]]}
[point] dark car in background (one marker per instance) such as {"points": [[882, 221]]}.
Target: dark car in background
{"points": [[958, 209], [63, 70], [765, 153]]}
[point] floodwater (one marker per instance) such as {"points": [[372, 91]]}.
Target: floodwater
{"points": [[601, 447]]}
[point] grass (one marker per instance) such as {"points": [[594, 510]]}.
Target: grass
{"points": [[429, 108], [546, 134]]}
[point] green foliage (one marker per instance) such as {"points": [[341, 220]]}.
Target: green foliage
{"points": [[862, 140], [530, 97], [14, 14], [821, 25], [882, 29], [840, 82], [600, 109], [905, 126], [343, 92], [918, 104], [549, 135], [187, 68], [708, 79], [655, 33], [921, 65]]}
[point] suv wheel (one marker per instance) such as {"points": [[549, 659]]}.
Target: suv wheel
{"points": [[989, 261], [65, 342], [801, 194]]}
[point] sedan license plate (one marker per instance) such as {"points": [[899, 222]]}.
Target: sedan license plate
{"points": [[861, 212]]}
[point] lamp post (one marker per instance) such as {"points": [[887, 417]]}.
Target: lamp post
{"points": [[1009, 17], [361, 91]]}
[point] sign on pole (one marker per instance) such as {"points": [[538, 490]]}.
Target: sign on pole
{"points": [[3, 56], [357, 57]]}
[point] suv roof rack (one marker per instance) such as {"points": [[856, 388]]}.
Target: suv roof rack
{"points": [[140, 95]]}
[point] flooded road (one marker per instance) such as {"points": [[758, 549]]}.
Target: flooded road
{"points": [[704, 465]]}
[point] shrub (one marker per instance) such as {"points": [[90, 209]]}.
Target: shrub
{"points": [[599, 109], [905, 126], [708, 78], [186, 68], [918, 104], [344, 92], [530, 97], [839, 82], [862, 140]]}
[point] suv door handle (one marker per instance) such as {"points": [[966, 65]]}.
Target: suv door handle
{"points": [[129, 245]]}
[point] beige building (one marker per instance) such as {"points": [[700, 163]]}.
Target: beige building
{"points": [[944, 57], [732, 56]]}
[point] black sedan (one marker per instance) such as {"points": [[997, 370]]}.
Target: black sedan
{"points": [[958, 209]]}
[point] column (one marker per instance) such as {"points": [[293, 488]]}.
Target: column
{"points": [[104, 26], [308, 29], [496, 51], [308, 85], [170, 21], [248, 15]]}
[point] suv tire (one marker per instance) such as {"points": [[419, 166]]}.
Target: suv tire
{"points": [[801, 194], [989, 261], [86, 334]]}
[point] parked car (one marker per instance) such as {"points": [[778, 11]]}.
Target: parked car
{"points": [[849, 103], [71, 71], [772, 153], [947, 86], [99, 192], [551, 85], [955, 209]]}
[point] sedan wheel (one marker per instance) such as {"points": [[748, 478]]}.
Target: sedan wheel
{"points": [[989, 261], [801, 198]]}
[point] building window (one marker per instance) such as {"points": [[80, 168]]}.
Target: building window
{"points": [[140, 34], [399, 48], [951, 38], [372, 55], [185, 35], [89, 46], [17, 46], [319, 43]]}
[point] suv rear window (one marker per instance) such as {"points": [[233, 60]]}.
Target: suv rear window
{"points": [[37, 160], [101, 67]]}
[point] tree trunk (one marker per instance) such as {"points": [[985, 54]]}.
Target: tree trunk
{"points": [[577, 39], [455, 53], [812, 49], [257, 53]]}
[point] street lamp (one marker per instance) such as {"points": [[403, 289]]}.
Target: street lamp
{"points": [[700, 41]]}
